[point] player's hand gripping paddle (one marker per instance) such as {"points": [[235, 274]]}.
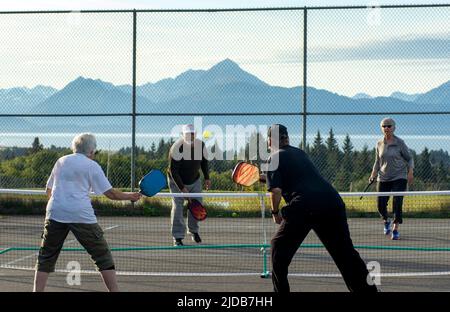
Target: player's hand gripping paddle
{"points": [[246, 174], [194, 206], [197, 210], [152, 183], [367, 187]]}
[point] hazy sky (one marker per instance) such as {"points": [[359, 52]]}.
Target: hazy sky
{"points": [[149, 4], [370, 50]]}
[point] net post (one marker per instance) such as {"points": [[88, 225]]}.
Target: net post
{"points": [[133, 112], [265, 271]]}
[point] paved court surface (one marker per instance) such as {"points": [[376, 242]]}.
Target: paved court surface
{"points": [[421, 258], [14, 280]]}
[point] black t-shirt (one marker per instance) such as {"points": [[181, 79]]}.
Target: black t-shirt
{"points": [[291, 170]]}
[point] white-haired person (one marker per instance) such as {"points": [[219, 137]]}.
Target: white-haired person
{"points": [[69, 208], [393, 170]]}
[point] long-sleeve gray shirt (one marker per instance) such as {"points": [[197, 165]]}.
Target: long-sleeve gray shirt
{"points": [[392, 161]]}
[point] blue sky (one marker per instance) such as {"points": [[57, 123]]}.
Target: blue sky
{"points": [[372, 51]]}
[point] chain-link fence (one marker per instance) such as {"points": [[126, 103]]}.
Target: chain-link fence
{"points": [[131, 77]]}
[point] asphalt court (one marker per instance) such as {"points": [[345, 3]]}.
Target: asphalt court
{"points": [[230, 257]]}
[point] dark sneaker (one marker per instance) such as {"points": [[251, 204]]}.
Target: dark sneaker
{"points": [[178, 242], [196, 238]]}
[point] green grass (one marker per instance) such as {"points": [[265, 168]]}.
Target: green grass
{"points": [[414, 206]]}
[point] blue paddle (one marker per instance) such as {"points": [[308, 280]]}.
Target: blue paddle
{"points": [[152, 183]]}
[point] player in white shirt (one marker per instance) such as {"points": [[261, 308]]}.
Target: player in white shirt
{"points": [[69, 208]]}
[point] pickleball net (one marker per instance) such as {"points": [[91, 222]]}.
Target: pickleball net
{"points": [[235, 236]]}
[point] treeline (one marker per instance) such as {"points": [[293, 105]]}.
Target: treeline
{"points": [[346, 168]]}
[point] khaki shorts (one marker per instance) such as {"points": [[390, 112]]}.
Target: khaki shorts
{"points": [[90, 236]]}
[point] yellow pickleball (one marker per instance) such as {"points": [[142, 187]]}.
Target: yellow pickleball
{"points": [[207, 134]]}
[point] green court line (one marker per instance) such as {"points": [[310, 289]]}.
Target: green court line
{"points": [[5, 250], [263, 247], [404, 248], [386, 247], [147, 247]]}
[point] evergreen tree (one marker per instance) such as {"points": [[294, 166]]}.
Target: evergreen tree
{"points": [[152, 151], [36, 146], [345, 174], [441, 176], [424, 170], [307, 148], [364, 160], [332, 156], [318, 153], [160, 151]]}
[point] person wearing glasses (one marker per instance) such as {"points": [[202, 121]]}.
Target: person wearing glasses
{"points": [[69, 209], [393, 170]]}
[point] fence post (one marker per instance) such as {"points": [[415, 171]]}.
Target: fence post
{"points": [[305, 40]]}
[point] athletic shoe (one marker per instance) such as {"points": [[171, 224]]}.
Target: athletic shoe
{"points": [[196, 238], [395, 235], [387, 227], [178, 242]]}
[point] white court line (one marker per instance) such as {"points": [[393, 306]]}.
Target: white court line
{"points": [[412, 274], [130, 273], [175, 274], [112, 227], [37, 253]]}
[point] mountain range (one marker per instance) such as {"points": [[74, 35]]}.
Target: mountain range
{"points": [[224, 88], [15, 100]]}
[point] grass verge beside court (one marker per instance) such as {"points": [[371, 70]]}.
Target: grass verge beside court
{"points": [[414, 206]]}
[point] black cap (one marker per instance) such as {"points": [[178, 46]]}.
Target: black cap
{"points": [[282, 130]]}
